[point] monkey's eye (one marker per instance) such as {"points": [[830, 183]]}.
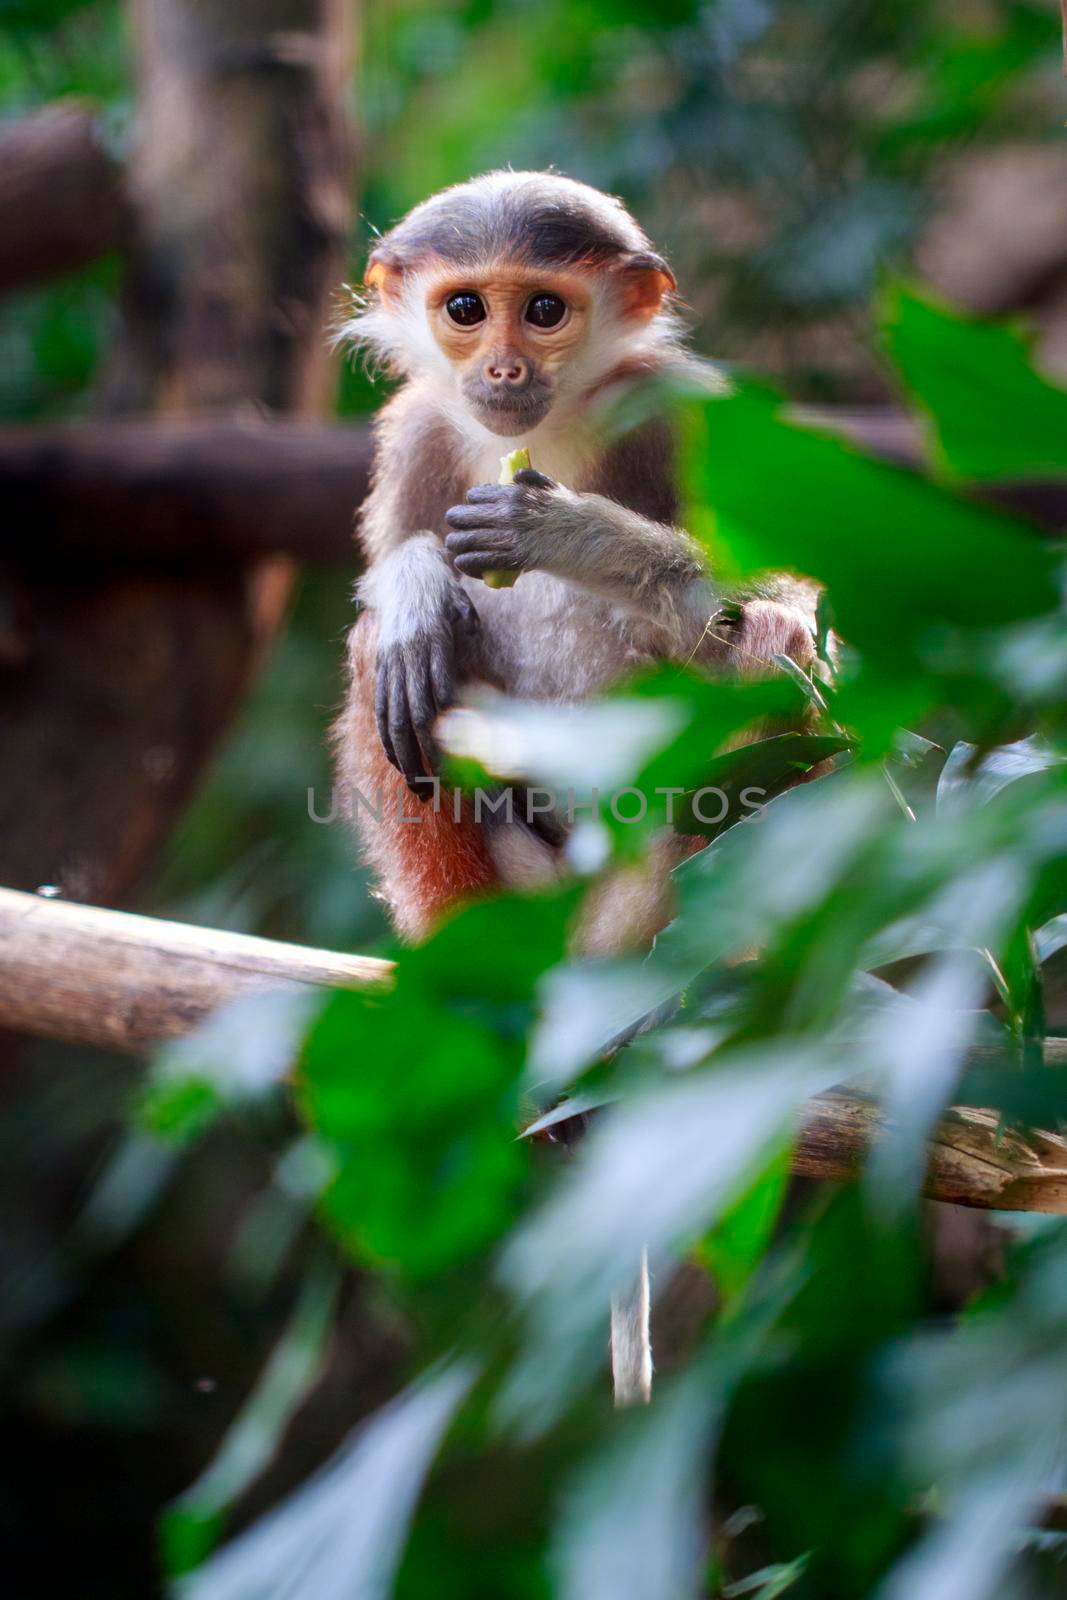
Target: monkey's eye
{"points": [[466, 308], [546, 311]]}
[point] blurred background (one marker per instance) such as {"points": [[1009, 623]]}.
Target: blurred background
{"points": [[785, 154]]}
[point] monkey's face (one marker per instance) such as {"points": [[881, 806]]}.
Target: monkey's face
{"points": [[509, 338]]}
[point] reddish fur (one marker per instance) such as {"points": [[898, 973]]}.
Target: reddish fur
{"points": [[427, 865]]}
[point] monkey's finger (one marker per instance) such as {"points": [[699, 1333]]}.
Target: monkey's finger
{"points": [[473, 516], [484, 493], [381, 712], [530, 478], [545, 824], [441, 677], [467, 619], [479, 562], [494, 541], [423, 710], [402, 732], [488, 554]]}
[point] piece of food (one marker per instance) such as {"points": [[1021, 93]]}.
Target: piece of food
{"points": [[509, 465]]}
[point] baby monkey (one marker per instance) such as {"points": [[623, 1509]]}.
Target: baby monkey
{"points": [[511, 307]]}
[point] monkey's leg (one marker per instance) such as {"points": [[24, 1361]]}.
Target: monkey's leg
{"points": [[424, 860], [631, 1341]]}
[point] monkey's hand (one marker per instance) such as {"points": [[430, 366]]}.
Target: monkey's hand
{"points": [[426, 631], [500, 526]]}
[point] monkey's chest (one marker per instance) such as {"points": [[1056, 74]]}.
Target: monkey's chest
{"points": [[551, 641]]}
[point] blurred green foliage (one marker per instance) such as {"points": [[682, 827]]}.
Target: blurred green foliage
{"points": [[880, 1453]]}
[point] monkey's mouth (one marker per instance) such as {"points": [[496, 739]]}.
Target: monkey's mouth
{"points": [[510, 416]]}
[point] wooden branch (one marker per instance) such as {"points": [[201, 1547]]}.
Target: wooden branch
{"points": [[90, 976], [169, 494], [970, 1163], [61, 195], [174, 494]]}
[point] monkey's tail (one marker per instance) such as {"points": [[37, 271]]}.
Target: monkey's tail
{"points": [[631, 1341]]}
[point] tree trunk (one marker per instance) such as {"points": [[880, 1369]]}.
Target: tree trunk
{"points": [[115, 688], [61, 196]]}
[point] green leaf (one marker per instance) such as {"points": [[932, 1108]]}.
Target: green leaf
{"points": [[628, 757], [736, 786], [192, 1524], [994, 416], [735, 1246], [632, 1517], [237, 1056], [341, 1536], [416, 1091], [897, 553]]}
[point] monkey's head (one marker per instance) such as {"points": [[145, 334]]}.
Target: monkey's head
{"points": [[515, 291]]}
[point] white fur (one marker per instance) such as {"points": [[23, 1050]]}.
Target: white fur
{"points": [[398, 339], [406, 588], [401, 340], [521, 858]]}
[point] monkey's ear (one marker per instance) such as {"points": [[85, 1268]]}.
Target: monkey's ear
{"points": [[644, 279], [384, 273]]}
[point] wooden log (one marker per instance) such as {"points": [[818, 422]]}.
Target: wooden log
{"points": [[62, 201], [970, 1162], [91, 976], [174, 494]]}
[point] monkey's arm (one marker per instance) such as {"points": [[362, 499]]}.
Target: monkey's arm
{"points": [[651, 569], [534, 524], [426, 628], [426, 621]]}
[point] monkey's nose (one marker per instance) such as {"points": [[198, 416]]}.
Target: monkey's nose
{"points": [[507, 372]]}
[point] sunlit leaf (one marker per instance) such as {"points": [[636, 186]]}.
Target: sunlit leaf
{"points": [[734, 1247], [236, 1056], [785, 496], [632, 1516], [192, 1524], [654, 1173], [984, 1414], [994, 416], [971, 778], [341, 1536], [1052, 937], [769, 1582]]}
